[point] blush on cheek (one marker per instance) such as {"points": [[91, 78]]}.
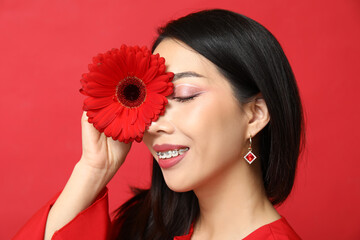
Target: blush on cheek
{"points": [[201, 115]]}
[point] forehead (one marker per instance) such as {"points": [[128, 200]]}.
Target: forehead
{"points": [[185, 63], [181, 58]]}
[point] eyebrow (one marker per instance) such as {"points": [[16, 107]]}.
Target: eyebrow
{"points": [[186, 74]]}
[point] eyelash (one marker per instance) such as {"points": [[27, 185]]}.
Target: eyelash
{"points": [[185, 99]]}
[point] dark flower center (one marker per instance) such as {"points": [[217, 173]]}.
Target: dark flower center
{"points": [[131, 92]]}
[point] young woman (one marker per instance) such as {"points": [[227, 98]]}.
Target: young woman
{"points": [[234, 93]]}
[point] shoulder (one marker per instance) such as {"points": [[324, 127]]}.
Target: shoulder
{"points": [[277, 230]]}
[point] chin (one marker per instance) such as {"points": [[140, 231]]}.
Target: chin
{"points": [[178, 186]]}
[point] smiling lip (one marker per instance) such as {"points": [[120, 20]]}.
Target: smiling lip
{"points": [[167, 147], [169, 162]]}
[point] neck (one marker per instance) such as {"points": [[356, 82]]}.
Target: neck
{"points": [[233, 203]]}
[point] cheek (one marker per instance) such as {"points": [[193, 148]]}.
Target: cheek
{"points": [[216, 127]]}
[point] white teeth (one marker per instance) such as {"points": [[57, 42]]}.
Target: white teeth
{"points": [[183, 150], [174, 153], [171, 153], [168, 154]]}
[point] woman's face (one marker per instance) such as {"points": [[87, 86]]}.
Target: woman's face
{"points": [[203, 133]]}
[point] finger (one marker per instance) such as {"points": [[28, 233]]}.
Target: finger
{"points": [[118, 148], [89, 132]]}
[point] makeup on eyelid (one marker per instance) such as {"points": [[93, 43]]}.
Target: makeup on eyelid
{"points": [[186, 90]]}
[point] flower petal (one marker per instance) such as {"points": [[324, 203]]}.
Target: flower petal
{"points": [[142, 117], [96, 90], [154, 60], [91, 114], [156, 101], [126, 116], [168, 91], [161, 69], [105, 116], [139, 131], [101, 79], [162, 78], [157, 86], [142, 67], [96, 103], [140, 126], [150, 74], [82, 91], [120, 61], [115, 128], [125, 133], [121, 74], [147, 112], [107, 70], [131, 63], [134, 115]]}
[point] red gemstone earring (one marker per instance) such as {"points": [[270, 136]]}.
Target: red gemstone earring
{"points": [[250, 157]]}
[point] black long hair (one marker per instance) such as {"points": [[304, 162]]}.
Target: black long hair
{"points": [[252, 60]]}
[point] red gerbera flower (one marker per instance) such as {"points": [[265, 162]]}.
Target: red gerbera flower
{"points": [[126, 91]]}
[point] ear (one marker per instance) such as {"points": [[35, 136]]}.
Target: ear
{"points": [[258, 114]]}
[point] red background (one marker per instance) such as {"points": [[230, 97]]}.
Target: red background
{"points": [[46, 46]]}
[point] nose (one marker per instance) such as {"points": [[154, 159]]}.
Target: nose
{"points": [[163, 125]]}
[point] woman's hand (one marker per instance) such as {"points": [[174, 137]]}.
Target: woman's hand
{"points": [[99, 152], [100, 160]]}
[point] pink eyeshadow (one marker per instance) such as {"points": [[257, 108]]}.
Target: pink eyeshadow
{"points": [[186, 90]]}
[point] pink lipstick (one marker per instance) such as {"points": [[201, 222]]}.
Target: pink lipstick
{"points": [[169, 154], [167, 147], [169, 162]]}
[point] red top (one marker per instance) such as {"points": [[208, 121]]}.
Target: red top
{"points": [[94, 223], [277, 230]]}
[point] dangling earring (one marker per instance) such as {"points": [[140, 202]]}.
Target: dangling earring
{"points": [[250, 157]]}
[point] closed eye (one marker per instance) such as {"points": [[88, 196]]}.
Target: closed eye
{"points": [[185, 99]]}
